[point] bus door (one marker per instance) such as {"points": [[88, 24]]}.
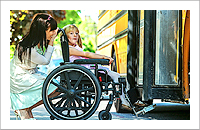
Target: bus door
{"points": [[155, 41]]}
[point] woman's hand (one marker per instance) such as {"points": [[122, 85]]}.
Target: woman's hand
{"points": [[53, 36]]}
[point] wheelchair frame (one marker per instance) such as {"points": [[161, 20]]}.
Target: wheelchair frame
{"points": [[79, 89]]}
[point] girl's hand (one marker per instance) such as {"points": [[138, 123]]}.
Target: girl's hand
{"points": [[109, 58]]}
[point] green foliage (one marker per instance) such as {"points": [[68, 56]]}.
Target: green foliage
{"points": [[12, 50], [89, 47], [71, 17], [88, 32]]}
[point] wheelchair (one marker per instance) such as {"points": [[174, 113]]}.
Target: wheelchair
{"points": [[80, 90]]}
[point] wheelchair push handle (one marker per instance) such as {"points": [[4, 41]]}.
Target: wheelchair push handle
{"points": [[64, 36], [64, 45], [60, 30]]}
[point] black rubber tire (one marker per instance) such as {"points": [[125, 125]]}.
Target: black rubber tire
{"points": [[104, 115], [52, 117], [76, 103]]}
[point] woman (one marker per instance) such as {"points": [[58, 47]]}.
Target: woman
{"points": [[26, 81], [76, 52]]}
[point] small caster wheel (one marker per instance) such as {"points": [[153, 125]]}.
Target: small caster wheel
{"points": [[52, 118], [104, 115]]}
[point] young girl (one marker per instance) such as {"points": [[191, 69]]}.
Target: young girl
{"points": [[25, 80], [76, 52]]}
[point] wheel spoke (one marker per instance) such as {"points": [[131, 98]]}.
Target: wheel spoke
{"points": [[68, 113], [78, 101], [74, 105], [67, 80], [63, 108], [66, 102], [59, 86], [78, 82], [83, 100], [59, 102]]}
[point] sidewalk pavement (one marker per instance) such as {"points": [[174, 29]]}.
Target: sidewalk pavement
{"points": [[40, 113]]}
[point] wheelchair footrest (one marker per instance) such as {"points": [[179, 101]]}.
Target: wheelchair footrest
{"points": [[146, 109]]}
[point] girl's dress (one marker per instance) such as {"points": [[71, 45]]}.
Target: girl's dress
{"points": [[26, 81], [112, 74]]}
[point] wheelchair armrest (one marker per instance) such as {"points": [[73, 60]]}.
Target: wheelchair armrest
{"points": [[92, 61]]}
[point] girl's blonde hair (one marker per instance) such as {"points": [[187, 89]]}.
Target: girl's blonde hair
{"points": [[72, 27]]}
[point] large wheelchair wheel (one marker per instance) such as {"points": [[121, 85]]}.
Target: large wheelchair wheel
{"points": [[79, 93]]}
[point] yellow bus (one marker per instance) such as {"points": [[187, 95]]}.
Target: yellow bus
{"points": [[150, 48], [112, 37]]}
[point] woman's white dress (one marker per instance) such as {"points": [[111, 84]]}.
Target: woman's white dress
{"points": [[26, 81]]}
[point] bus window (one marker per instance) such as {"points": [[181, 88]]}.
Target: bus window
{"points": [[166, 62]]}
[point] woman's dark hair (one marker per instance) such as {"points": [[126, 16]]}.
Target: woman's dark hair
{"points": [[41, 22]]}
